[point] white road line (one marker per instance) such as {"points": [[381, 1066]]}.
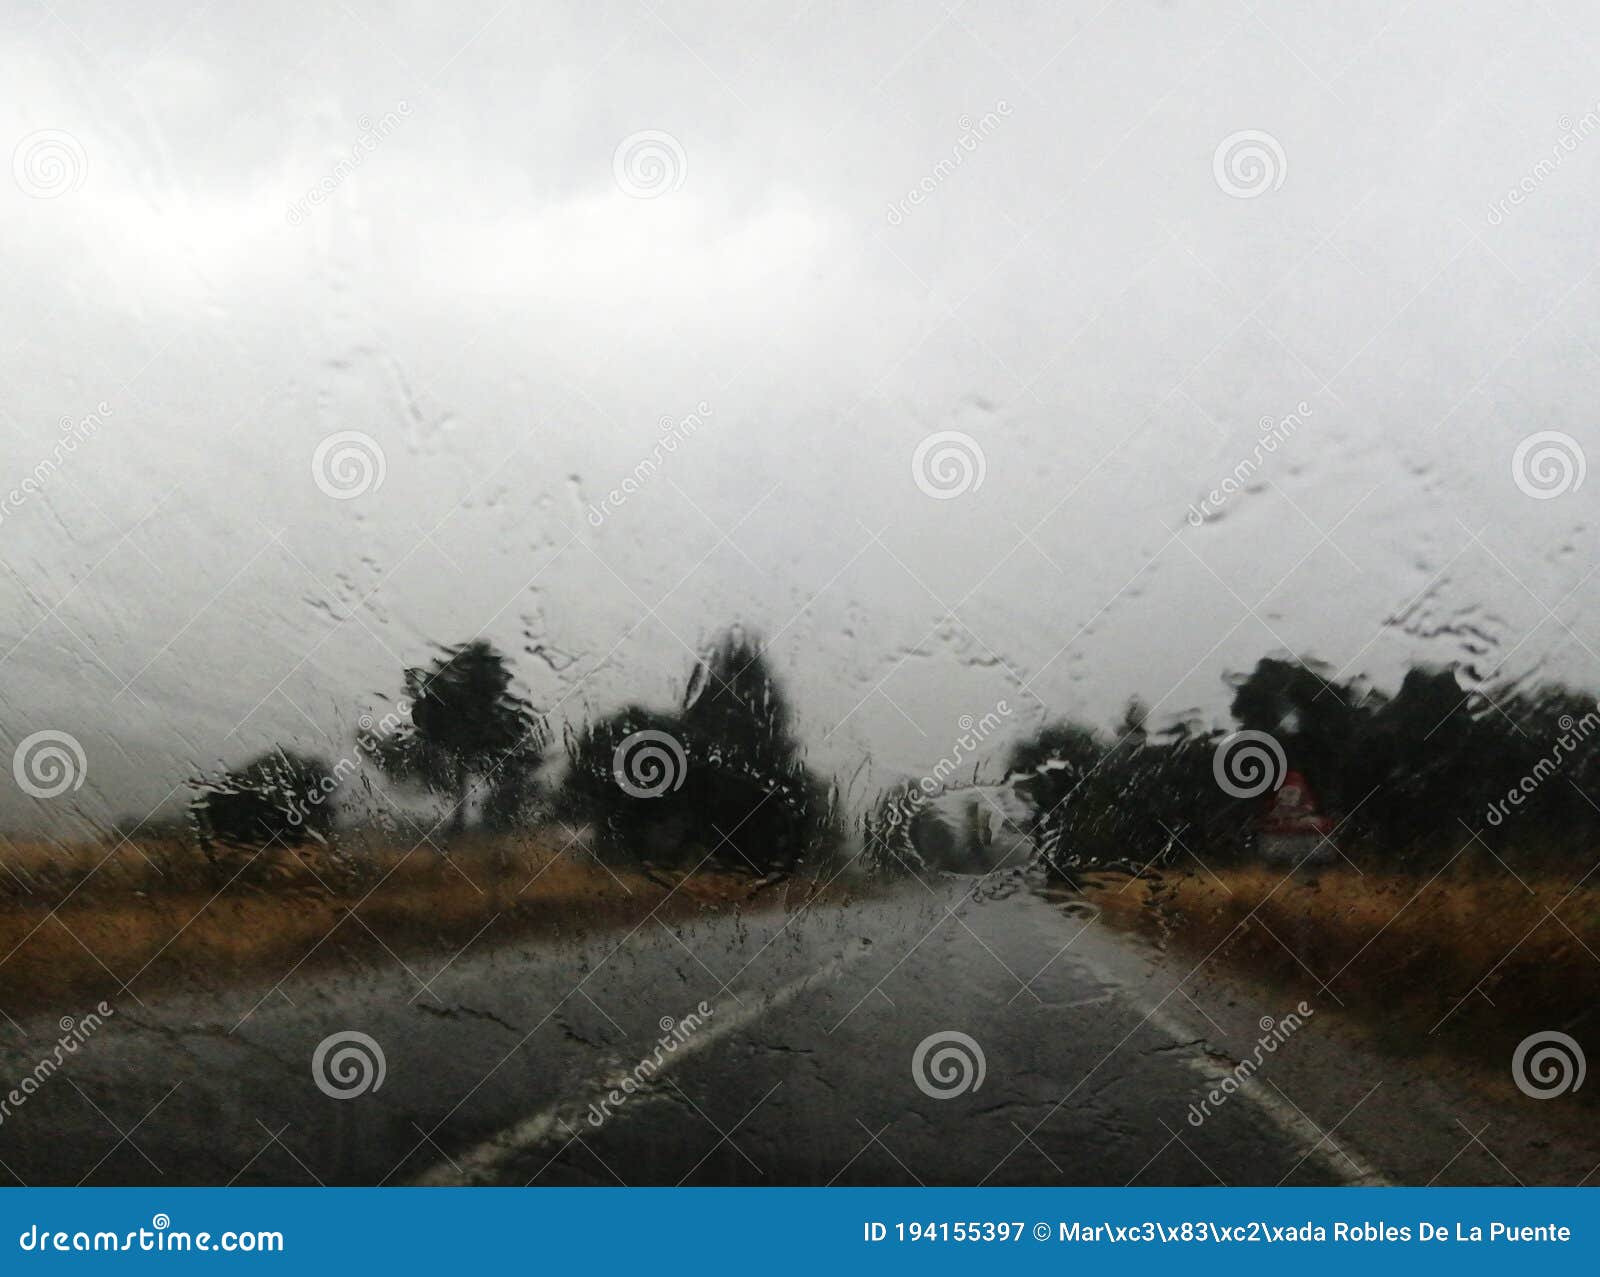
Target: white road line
{"points": [[1338, 1159], [559, 1123]]}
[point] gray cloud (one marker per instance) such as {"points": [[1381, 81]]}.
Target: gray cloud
{"points": [[1072, 288]]}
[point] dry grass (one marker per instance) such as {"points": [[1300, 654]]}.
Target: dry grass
{"points": [[1461, 957], [81, 924]]}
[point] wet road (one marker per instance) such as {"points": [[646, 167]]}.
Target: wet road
{"points": [[1082, 1059]]}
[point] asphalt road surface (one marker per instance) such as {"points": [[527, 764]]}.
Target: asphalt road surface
{"points": [[1081, 1059]]}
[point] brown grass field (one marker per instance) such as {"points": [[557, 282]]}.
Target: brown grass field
{"points": [[1456, 960], [84, 923], [1449, 963]]}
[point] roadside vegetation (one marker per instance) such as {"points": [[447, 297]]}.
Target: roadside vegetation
{"points": [[1409, 779], [1463, 836], [437, 824], [1453, 901], [721, 780], [1462, 965], [148, 916]]}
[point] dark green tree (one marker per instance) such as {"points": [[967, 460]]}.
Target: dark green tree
{"points": [[466, 723], [1069, 775], [750, 788], [280, 798], [1317, 719], [1133, 728], [636, 823], [724, 777]]}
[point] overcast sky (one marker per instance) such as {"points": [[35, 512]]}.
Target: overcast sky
{"points": [[1099, 243]]}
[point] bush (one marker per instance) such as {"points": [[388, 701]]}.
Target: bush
{"points": [[721, 779], [279, 799]]}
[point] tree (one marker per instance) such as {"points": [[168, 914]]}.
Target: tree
{"points": [[1440, 753], [749, 787], [280, 798], [644, 820], [1316, 719], [1133, 729], [1131, 804], [722, 778], [466, 723], [1068, 774], [1514, 767]]}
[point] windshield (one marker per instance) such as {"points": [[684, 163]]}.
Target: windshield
{"points": [[691, 596]]}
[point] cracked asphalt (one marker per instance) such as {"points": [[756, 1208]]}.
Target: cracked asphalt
{"points": [[1082, 1060]]}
